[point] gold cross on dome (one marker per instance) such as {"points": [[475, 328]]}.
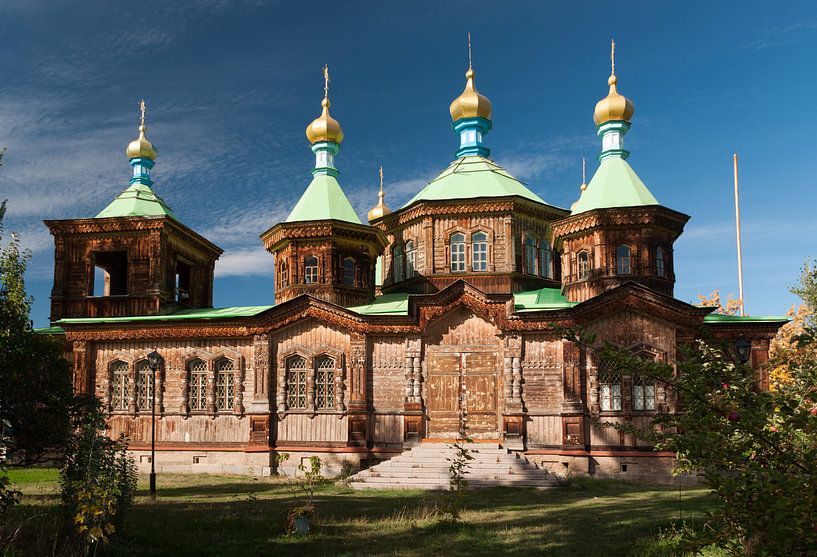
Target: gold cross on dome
{"points": [[326, 81], [613, 56], [142, 109], [469, 51]]}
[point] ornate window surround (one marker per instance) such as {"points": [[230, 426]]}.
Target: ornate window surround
{"points": [[210, 359], [468, 243], [105, 368], [626, 381], [312, 356]]}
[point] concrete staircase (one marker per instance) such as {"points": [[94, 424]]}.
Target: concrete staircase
{"points": [[426, 467]]}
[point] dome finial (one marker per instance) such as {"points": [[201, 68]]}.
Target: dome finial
{"points": [[470, 67], [141, 148], [584, 174], [381, 209], [324, 127], [613, 107]]}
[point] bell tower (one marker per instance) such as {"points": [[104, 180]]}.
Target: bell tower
{"points": [[133, 258]]}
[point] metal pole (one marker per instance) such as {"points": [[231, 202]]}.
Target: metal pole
{"points": [[153, 436], [737, 225]]}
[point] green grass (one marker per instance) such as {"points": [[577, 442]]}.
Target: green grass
{"points": [[201, 515]]}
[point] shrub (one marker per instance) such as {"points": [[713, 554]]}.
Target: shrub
{"points": [[97, 481]]}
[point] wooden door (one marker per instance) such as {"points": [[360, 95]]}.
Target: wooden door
{"points": [[444, 384], [480, 372], [462, 382]]}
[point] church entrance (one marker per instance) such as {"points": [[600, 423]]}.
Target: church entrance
{"points": [[462, 384]]}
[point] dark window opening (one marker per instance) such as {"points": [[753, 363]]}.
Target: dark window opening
{"points": [[183, 271], [110, 274]]}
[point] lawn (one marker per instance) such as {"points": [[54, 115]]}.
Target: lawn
{"points": [[206, 515]]}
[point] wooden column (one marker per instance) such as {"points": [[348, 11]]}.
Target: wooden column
{"points": [[261, 374], [358, 406]]}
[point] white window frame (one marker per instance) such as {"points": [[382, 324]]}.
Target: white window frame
{"points": [[311, 271], [479, 252], [457, 249]]}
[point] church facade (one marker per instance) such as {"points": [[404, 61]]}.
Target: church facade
{"points": [[389, 333]]}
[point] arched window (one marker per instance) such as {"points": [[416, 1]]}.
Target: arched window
{"points": [[144, 385], [584, 266], [411, 259], [609, 388], [397, 257], [457, 253], [311, 270], [198, 385], [545, 260], [643, 393], [296, 382], [530, 255], [120, 395], [225, 384], [349, 271], [479, 251], [660, 263], [282, 275], [325, 383], [623, 260]]}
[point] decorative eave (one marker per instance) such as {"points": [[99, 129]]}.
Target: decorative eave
{"points": [[655, 215], [109, 225], [284, 232], [632, 296], [484, 205]]}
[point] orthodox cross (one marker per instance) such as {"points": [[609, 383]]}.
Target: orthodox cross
{"points": [[381, 179], [612, 56], [326, 81], [142, 109], [469, 50]]}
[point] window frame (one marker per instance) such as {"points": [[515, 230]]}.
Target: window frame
{"points": [[310, 269], [411, 259], [583, 267], [531, 255], [325, 378], [195, 376], [479, 251], [145, 393], [457, 264], [349, 279], [301, 379], [545, 259], [624, 263], [398, 263], [119, 371], [225, 403], [660, 262], [283, 276]]}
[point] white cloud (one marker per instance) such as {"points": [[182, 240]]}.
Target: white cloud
{"points": [[246, 262]]}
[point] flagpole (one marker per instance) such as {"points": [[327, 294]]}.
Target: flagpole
{"points": [[737, 226]]}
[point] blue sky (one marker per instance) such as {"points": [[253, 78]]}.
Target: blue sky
{"points": [[231, 85]]}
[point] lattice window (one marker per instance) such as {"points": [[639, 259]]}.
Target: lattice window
{"points": [[296, 382], [643, 393], [623, 260], [609, 388], [660, 263], [530, 255], [325, 383], [120, 385], [479, 251], [545, 260], [458, 253], [144, 386], [198, 385], [584, 265], [397, 258], [311, 270], [411, 259], [283, 276], [225, 384]]}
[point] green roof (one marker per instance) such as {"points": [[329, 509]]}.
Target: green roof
{"points": [[472, 177], [323, 200], [615, 184], [720, 318], [50, 331], [541, 300], [137, 201], [378, 271], [387, 304], [201, 313]]}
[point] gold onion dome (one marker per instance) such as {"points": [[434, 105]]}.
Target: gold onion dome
{"points": [[141, 147], [324, 127], [470, 104], [381, 209], [614, 106]]}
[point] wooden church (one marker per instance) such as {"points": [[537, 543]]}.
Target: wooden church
{"points": [[384, 335]]}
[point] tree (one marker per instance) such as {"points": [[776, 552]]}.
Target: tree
{"points": [[785, 349], [36, 399], [714, 300]]}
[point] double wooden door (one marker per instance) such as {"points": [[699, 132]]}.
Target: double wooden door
{"points": [[462, 384]]}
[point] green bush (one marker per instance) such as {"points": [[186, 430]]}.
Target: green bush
{"points": [[97, 481]]}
